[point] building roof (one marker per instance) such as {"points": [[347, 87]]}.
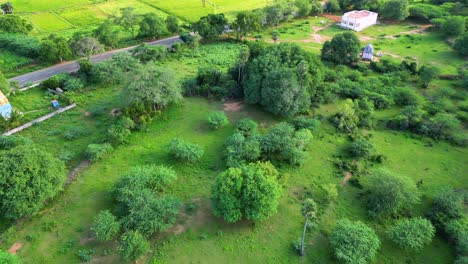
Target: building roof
{"points": [[3, 99], [358, 14], [368, 49]]}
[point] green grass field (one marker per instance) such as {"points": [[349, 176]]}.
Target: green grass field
{"points": [[57, 233]]}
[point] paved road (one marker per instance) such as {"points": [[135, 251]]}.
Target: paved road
{"points": [[72, 66]]}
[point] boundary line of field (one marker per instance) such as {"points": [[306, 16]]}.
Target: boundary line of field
{"points": [[38, 120]]}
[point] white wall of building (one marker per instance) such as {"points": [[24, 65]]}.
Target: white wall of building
{"points": [[349, 21]]}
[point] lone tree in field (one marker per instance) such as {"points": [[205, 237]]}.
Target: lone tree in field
{"points": [[86, 46], [132, 246], [344, 48], [105, 226], [28, 178], [172, 24], [211, 26], [412, 234], [395, 9], [389, 193], [250, 191], [246, 23], [106, 35], [153, 87], [354, 242], [309, 211]]}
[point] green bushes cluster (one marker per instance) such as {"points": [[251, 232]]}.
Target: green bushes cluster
{"points": [[217, 120], [95, 152], [184, 151]]}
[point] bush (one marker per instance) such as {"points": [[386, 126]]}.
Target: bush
{"points": [[447, 205], [51, 83], [132, 246], [105, 226], [457, 230], [361, 148], [242, 148], [461, 44], [217, 120], [389, 194], [20, 44], [9, 142], [412, 234], [427, 11], [246, 126], [146, 53], [95, 152], [354, 242], [184, 151], [73, 84], [7, 258], [304, 122], [118, 134], [86, 255]]}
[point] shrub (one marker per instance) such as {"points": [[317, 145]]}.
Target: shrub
{"points": [[29, 177], [51, 83], [146, 53], [132, 245], [446, 205], [7, 258], [354, 242], [217, 120], [389, 194], [250, 191], [461, 44], [95, 152], [412, 234], [105, 226], [9, 142], [242, 148], [457, 230], [304, 122], [86, 255], [118, 134], [246, 126], [73, 84], [361, 148], [184, 151]]}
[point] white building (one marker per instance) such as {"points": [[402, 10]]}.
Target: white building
{"points": [[358, 20]]}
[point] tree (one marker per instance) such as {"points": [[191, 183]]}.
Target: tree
{"points": [[211, 26], [411, 234], [333, 6], [172, 24], [185, 151], [132, 246], [354, 242], [128, 20], [461, 44], [389, 193], [7, 8], [347, 118], [14, 24], [283, 143], [344, 48], [250, 191], [427, 74], [7, 258], [146, 53], [303, 7], [152, 26], [361, 148], [217, 120], [395, 9], [105, 226], [310, 213], [29, 177], [55, 48], [453, 26], [106, 35], [245, 23], [154, 87], [447, 205], [442, 125], [86, 46]]}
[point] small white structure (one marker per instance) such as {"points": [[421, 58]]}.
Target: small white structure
{"points": [[358, 20], [367, 52]]}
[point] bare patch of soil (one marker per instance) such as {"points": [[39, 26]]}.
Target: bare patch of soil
{"points": [[15, 248], [346, 178], [332, 17], [86, 113], [232, 107], [115, 112], [366, 38]]}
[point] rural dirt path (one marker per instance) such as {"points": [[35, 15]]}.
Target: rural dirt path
{"points": [[72, 66], [73, 173]]}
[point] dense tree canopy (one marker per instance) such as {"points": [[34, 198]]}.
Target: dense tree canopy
{"points": [[395, 9], [172, 24], [86, 46], [280, 78], [28, 178], [248, 192], [354, 242], [461, 44], [244, 145], [246, 23], [152, 26], [106, 35], [390, 193], [154, 87], [344, 48], [55, 48], [412, 234], [211, 26], [128, 20], [14, 24]]}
